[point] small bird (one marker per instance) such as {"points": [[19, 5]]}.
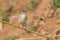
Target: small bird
{"points": [[22, 17]]}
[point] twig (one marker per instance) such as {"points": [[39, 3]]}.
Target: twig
{"points": [[26, 29], [56, 35], [55, 30]]}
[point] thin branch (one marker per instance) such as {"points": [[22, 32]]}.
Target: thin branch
{"points": [[56, 35], [26, 29], [55, 30]]}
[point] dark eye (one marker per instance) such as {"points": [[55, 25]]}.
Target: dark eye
{"points": [[41, 19], [24, 11]]}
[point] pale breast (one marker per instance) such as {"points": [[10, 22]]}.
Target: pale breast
{"points": [[21, 17]]}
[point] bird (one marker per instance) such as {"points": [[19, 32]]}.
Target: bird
{"points": [[22, 17]]}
